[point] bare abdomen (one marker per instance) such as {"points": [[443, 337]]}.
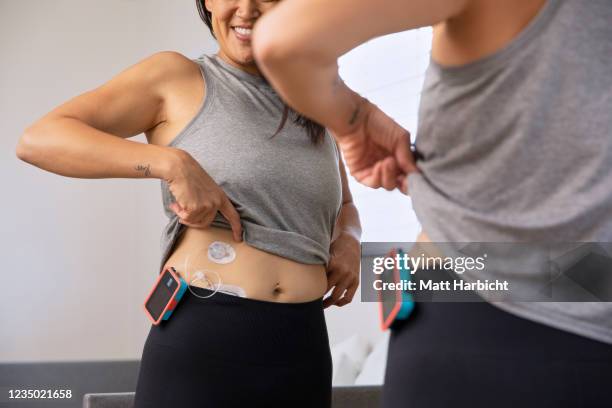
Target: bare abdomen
{"points": [[260, 274]]}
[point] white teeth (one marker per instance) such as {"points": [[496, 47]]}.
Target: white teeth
{"points": [[243, 31]]}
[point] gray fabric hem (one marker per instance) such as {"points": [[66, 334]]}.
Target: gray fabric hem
{"points": [[174, 230], [293, 244], [557, 321], [521, 309]]}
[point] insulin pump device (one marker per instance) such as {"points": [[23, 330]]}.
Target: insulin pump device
{"points": [[394, 304], [163, 298]]}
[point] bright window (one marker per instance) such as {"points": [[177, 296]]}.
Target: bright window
{"points": [[389, 71]]}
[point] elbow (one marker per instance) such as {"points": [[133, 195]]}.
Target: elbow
{"points": [[29, 144], [278, 47], [270, 49], [25, 146]]}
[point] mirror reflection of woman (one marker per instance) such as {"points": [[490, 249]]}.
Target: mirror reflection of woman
{"points": [[514, 145], [238, 167]]}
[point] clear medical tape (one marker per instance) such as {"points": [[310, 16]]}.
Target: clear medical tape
{"points": [[200, 275]]}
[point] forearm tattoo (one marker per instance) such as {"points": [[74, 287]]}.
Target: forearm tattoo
{"points": [[145, 168], [355, 114]]}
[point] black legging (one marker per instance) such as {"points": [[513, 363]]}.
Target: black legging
{"points": [[456, 355], [228, 351]]}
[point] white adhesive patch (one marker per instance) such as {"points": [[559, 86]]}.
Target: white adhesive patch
{"points": [[221, 252], [231, 290], [216, 287]]}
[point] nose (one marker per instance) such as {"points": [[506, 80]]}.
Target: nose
{"points": [[248, 9]]}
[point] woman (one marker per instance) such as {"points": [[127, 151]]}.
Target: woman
{"points": [[515, 145], [269, 191]]}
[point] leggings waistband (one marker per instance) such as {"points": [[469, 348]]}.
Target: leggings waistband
{"points": [[244, 329]]}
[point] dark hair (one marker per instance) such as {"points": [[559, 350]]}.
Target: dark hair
{"points": [[315, 131]]}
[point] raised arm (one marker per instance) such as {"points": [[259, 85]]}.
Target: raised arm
{"points": [[86, 137], [298, 43]]}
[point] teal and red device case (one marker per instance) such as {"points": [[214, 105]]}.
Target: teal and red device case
{"points": [[397, 304], [164, 296]]}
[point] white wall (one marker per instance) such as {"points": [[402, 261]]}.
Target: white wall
{"points": [[67, 242]]}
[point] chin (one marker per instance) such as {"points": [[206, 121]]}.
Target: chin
{"points": [[245, 58]]}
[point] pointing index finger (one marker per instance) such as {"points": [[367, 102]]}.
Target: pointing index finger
{"points": [[232, 216]]}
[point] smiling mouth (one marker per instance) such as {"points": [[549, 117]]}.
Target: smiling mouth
{"points": [[242, 33]]}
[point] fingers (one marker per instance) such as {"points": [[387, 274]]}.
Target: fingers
{"points": [[181, 212], [362, 175], [335, 296], [388, 172], [204, 223], [175, 207], [341, 282], [348, 296], [332, 280], [204, 216], [402, 184], [374, 180], [342, 294], [383, 174], [232, 216]]}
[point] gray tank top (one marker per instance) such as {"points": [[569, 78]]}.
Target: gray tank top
{"points": [[517, 146], [286, 189]]}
